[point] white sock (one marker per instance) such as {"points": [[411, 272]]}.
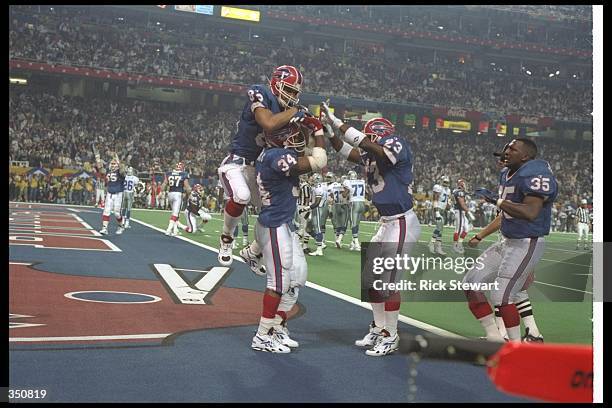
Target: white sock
{"points": [[529, 322], [229, 224], [490, 327], [378, 309], [265, 324], [501, 326], [391, 321], [514, 333], [255, 248]]}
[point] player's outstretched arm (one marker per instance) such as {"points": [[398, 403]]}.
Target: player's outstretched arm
{"points": [[273, 121], [316, 161]]}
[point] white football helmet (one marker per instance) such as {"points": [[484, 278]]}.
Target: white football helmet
{"points": [[445, 181], [130, 171], [316, 178], [352, 175]]}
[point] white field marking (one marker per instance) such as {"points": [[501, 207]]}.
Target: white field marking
{"points": [[190, 270], [90, 338], [563, 287], [15, 231], [20, 263], [342, 296], [112, 247]]}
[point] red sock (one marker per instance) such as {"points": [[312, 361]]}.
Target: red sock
{"points": [[234, 209], [393, 302], [282, 314], [173, 218], [463, 234], [105, 217], [270, 304], [456, 236], [375, 296], [510, 315]]}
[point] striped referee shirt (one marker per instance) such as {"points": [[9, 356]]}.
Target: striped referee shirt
{"points": [[305, 195], [583, 215]]}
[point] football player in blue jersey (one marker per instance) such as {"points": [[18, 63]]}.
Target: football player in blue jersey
{"points": [[388, 162], [267, 109], [178, 182], [115, 177], [278, 169], [527, 191]]}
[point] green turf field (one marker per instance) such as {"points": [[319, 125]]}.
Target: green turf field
{"points": [[560, 277]]}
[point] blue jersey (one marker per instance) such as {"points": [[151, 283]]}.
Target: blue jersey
{"points": [[176, 180], [390, 181], [533, 178], [248, 140], [114, 181], [278, 189], [459, 192]]}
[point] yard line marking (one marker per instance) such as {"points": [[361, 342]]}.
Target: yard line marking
{"points": [[342, 296], [563, 287], [91, 338]]}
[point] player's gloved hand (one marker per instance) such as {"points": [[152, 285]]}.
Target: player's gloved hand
{"points": [[438, 215], [488, 195], [304, 212], [329, 131], [333, 120], [312, 123]]}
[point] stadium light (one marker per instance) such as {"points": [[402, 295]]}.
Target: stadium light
{"points": [[557, 73], [551, 75], [441, 27], [528, 72]]}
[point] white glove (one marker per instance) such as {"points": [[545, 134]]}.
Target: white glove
{"points": [[329, 131], [471, 216], [335, 122]]}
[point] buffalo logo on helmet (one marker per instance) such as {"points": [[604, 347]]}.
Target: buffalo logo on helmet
{"points": [[286, 85], [377, 128]]}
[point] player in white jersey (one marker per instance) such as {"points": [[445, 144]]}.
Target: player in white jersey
{"points": [[441, 195], [319, 213], [355, 188], [129, 190]]}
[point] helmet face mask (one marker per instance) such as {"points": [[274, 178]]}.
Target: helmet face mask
{"points": [[198, 189], [286, 85], [352, 175], [289, 137], [377, 128], [445, 181], [130, 171], [180, 166], [316, 178]]}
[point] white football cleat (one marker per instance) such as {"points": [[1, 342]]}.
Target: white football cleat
{"points": [[458, 248], [386, 344], [268, 342], [254, 261], [225, 252], [169, 231], [338, 243], [318, 252], [282, 334], [127, 224], [104, 231], [120, 230], [323, 246], [371, 338]]}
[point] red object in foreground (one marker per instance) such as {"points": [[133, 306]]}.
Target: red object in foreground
{"points": [[551, 372]]}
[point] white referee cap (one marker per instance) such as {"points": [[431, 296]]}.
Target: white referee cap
{"points": [[584, 201]]}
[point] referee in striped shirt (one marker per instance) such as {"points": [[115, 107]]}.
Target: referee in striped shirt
{"points": [[303, 211], [583, 218]]}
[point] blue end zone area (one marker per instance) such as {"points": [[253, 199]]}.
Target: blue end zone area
{"points": [[206, 356]]}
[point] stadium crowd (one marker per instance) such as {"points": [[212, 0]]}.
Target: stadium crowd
{"points": [[51, 131], [89, 40]]}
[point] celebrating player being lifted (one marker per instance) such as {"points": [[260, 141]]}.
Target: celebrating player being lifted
{"points": [[356, 192], [278, 170], [527, 190], [177, 179], [388, 162], [267, 109], [462, 213], [441, 194], [115, 176]]}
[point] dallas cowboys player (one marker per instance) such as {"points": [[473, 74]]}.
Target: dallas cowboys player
{"points": [[356, 191], [388, 162], [318, 214], [129, 188], [115, 175], [441, 194], [278, 170], [267, 109], [527, 191]]}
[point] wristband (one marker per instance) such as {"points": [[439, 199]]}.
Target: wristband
{"points": [[353, 136], [313, 206], [499, 201], [346, 150], [477, 238]]}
